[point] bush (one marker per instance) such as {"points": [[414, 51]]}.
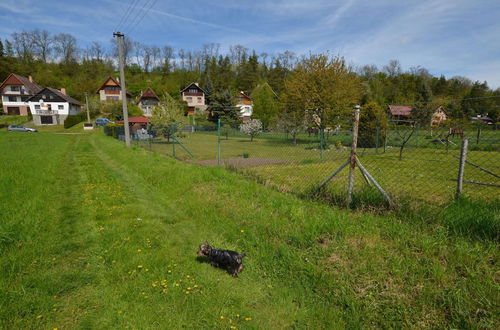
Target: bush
{"points": [[372, 119], [72, 120]]}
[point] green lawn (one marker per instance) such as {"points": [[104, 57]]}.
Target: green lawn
{"points": [[94, 235]]}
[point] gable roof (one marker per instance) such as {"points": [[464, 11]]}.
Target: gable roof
{"points": [[15, 79], [136, 120], [400, 110], [242, 94], [65, 97], [148, 93], [194, 85], [114, 82]]}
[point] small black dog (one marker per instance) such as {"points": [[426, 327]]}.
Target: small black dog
{"points": [[230, 260]]}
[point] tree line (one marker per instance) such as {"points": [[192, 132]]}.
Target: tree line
{"points": [[286, 87]]}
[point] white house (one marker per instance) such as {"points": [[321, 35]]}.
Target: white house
{"points": [[245, 103], [51, 106], [15, 91]]}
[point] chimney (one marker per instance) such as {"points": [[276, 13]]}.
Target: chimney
{"points": [[63, 90], [30, 78]]}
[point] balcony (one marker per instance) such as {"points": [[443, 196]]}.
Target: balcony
{"points": [[46, 112]]}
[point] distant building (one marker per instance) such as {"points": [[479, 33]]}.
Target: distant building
{"points": [[438, 117], [111, 90], [51, 107], [483, 119], [245, 103], [147, 101], [194, 95], [400, 112], [15, 91]]}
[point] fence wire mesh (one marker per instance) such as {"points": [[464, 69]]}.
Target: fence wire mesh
{"points": [[417, 165]]}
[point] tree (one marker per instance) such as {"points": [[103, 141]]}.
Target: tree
{"points": [[252, 128], [265, 104], [65, 45], [168, 111], [324, 86], [291, 120], [43, 44], [1, 49], [221, 107], [373, 123]]}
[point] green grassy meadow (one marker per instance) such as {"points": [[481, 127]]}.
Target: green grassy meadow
{"points": [[94, 235], [424, 175]]}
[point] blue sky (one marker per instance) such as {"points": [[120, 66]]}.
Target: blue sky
{"points": [[450, 37]]}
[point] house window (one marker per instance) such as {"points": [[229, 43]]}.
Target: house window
{"points": [[24, 98], [15, 88], [12, 99], [189, 99], [60, 107], [112, 98], [51, 97], [37, 106], [192, 90], [199, 99]]}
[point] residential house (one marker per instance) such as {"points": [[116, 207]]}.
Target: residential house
{"points": [[15, 91], [147, 101], [483, 119], [194, 95], [244, 102], [438, 117], [51, 107], [111, 90], [400, 112]]}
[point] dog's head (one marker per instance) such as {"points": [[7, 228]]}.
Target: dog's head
{"points": [[204, 249]]}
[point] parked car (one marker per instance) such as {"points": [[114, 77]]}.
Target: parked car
{"points": [[19, 128], [102, 121]]}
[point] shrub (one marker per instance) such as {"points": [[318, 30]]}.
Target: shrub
{"points": [[372, 119], [72, 120]]}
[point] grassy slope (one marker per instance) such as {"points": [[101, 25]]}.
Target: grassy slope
{"points": [[89, 230]]}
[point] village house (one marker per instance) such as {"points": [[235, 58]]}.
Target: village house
{"points": [[111, 90], [194, 95], [245, 104], [51, 107], [399, 112], [147, 101], [438, 117], [15, 91]]}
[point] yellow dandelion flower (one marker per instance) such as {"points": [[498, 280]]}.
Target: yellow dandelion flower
{"points": [[39, 316], [140, 266], [196, 285], [242, 231], [169, 271], [222, 317], [187, 292], [232, 327], [139, 250], [237, 315], [177, 284], [248, 318], [189, 288]]}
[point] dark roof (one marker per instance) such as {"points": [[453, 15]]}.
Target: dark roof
{"points": [[400, 110], [65, 97], [148, 93], [113, 80], [15, 79], [196, 86]]}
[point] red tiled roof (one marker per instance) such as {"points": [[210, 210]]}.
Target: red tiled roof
{"points": [[136, 120], [15, 79], [115, 83], [400, 110]]}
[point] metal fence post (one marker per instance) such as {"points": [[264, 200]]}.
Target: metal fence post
{"points": [[218, 141], [377, 137], [478, 134], [321, 143], [354, 144], [172, 132], [463, 156]]}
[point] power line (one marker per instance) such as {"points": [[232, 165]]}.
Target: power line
{"points": [[127, 13], [136, 20]]}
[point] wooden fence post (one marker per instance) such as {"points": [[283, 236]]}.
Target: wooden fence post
{"points": [[354, 144], [463, 156]]}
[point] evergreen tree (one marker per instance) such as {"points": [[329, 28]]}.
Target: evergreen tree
{"points": [[1, 48], [221, 107]]}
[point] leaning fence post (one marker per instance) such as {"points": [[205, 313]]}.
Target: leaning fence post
{"points": [[218, 141], [354, 145], [463, 156]]}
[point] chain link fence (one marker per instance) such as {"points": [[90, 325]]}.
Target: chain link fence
{"points": [[411, 164]]}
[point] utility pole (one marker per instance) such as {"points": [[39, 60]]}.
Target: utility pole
{"points": [[123, 88], [87, 102]]}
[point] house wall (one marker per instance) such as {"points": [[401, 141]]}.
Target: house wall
{"points": [[59, 111], [7, 99], [194, 99]]}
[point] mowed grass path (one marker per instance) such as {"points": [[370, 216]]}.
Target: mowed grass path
{"points": [[93, 235]]}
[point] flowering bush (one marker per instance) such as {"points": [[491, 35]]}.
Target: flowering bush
{"points": [[252, 128]]}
